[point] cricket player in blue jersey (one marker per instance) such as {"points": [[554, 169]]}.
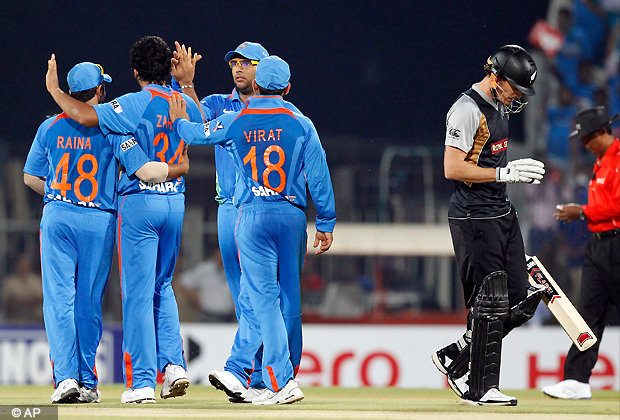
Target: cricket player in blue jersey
{"points": [[277, 154], [150, 219], [75, 169], [242, 61]]}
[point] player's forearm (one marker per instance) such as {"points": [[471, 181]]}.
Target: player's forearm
{"points": [[196, 133], [176, 170], [153, 172], [78, 111], [36, 183], [468, 172], [456, 168]]}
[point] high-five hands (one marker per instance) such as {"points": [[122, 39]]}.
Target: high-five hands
{"points": [[522, 170], [184, 64]]}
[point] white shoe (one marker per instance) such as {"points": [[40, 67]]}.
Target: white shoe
{"points": [[175, 381], [227, 382], [492, 397], [569, 389], [144, 395], [287, 395], [88, 395], [67, 392], [249, 396]]}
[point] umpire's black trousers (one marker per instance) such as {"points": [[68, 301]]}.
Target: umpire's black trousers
{"points": [[600, 288]]}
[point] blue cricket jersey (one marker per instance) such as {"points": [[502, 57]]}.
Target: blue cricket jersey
{"points": [[79, 162], [214, 106], [276, 152], [145, 115]]}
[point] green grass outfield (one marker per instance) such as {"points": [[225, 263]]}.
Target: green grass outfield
{"points": [[325, 403]]}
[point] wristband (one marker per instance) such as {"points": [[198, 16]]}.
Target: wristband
{"points": [[187, 86], [582, 215]]}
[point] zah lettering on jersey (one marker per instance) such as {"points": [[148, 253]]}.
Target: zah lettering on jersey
{"points": [[263, 135], [500, 146], [161, 187], [126, 145], [164, 122], [73, 143]]}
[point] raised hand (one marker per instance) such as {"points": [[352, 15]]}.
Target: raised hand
{"points": [[51, 78], [184, 64]]}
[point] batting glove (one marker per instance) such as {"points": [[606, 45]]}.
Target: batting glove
{"points": [[522, 170]]}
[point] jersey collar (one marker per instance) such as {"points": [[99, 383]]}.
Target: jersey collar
{"points": [[234, 95], [165, 89], [264, 102], [484, 96]]}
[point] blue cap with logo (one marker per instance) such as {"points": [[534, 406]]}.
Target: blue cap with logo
{"points": [[84, 76], [273, 73], [249, 50]]}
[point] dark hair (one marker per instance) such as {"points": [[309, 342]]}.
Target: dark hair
{"points": [[85, 95], [487, 69], [150, 57], [607, 128], [270, 92]]}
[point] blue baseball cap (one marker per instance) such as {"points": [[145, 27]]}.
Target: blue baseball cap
{"points": [[247, 49], [273, 73], [84, 76]]}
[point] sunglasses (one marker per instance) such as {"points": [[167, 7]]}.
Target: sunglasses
{"points": [[100, 68], [243, 62]]}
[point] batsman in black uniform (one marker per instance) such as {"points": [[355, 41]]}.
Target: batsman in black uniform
{"points": [[484, 226]]}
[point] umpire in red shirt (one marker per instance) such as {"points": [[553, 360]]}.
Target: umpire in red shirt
{"points": [[600, 284]]}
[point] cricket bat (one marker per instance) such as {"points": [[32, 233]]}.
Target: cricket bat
{"points": [[560, 306]]}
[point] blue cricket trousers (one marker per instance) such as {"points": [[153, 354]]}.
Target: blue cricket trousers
{"points": [[149, 236], [271, 238], [76, 256]]}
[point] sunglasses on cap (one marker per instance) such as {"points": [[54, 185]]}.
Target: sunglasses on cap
{"points": [[243, 62]]}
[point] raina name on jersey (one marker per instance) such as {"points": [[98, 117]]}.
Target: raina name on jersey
{"points": [[73, 143]]}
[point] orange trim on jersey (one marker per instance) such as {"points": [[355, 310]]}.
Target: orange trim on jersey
{"points": [[253, 111], [274, 381], [59, 117], [128, 370], [165, 95]]}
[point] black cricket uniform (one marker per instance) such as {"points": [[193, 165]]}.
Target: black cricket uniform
{"points": [[483, 222]]}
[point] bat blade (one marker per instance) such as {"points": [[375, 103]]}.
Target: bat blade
{"points": [[560, 306]]}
